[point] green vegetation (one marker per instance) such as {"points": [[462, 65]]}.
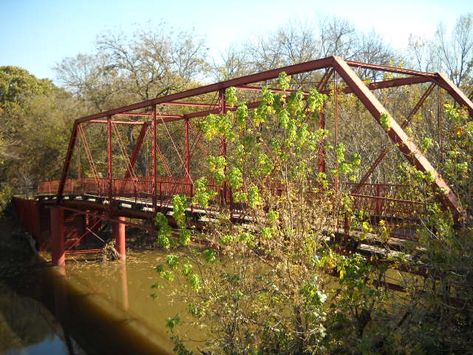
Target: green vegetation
{"points": [[277, 284], [283, 281]]}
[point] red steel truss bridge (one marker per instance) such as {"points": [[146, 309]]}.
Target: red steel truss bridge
{"points": [[123, 166]]}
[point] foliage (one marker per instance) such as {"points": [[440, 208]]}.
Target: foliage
{"points": [[261, 285], [36, 121], [151, 62]]}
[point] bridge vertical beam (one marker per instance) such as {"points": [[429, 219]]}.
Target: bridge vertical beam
{"points": [[321, 149], [58, 256], [67, 161], [119, 234], [336, 119], [223, 142], [187, 154], [154, 162], [109, 160], [322, 166]]}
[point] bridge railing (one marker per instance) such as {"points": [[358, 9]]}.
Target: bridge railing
{"points": [[377, 199], [132, 188], [385, 200]]}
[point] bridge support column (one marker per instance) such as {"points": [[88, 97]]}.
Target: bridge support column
{"points": [[57, 236], [118, 233]]}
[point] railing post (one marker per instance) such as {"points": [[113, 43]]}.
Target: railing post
{"points": [[187, 155], [321, 148], [378, 200], [223, 142]]}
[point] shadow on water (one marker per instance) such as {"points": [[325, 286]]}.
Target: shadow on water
{"points": [[86, 308]]}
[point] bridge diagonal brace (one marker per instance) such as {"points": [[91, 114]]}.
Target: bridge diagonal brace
{"points": [[67, 161], [382, 154], [454, 92], [136, 150], [398, 136]]}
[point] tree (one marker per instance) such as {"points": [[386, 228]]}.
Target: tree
{"points": [[127, 69], [231, 64], [451, 53], [456, 51], [36, 118], [297, 43]]}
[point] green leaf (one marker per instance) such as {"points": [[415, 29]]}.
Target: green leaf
{"points": [[231, 97], [217, 166], [172, 322], [235, 178], [202, 194], [186, 269], [284, 81], [254, 197], [385, 121], [194, 280], [172, 261], [179, 206], [210, 255]]}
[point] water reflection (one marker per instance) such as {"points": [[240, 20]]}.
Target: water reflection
{"points": [[124, 283], [90, 307], [119, 293], [27, 327]]}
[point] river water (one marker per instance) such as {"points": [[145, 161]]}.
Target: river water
{"points": [[89, 307]]}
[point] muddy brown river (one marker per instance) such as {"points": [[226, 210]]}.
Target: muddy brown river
{"points": [[89, 307]]}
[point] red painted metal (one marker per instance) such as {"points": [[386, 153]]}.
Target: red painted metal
{"points": [[385, 151], [322, 167], [109, 161], [262, 76], [136, 150], [67, 161], [379, 200], [187, 153], [118, 233], [30, 216], [378, 85], [57, 236], [187, 104], [153, 157], [115, 122], [223, 142], [336, 119], [326, 63], [455, 92], [388, 68], [88, 153], [397, 135]]}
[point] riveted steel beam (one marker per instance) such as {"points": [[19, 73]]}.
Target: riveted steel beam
{"points": [[397, 135]]}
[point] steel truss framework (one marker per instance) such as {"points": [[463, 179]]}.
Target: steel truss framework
{"points": [[109, 192], [198, 102]]}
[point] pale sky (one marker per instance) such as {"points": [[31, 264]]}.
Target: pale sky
{"points": [[37, 34]]}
